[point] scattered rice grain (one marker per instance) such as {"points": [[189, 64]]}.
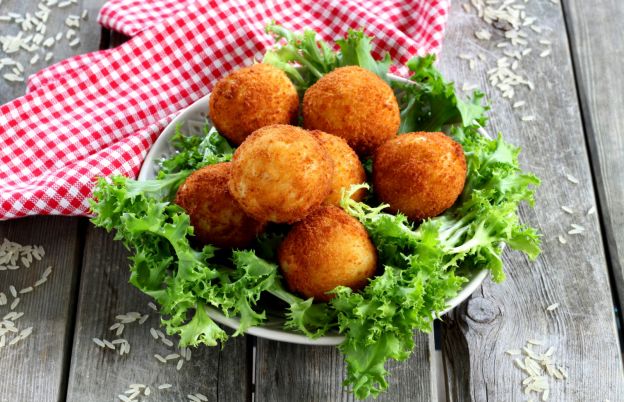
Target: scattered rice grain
{"points": [[572, 179], [26, 290], [143, 319], [552, 307], [567, 210], [483, 35], [15, 303]]}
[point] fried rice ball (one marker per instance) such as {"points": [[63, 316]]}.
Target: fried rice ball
{"points": [[216, 217], [355, 104], [327, 249], [419, 174], [251, 98], [348, 169], [280, 174]]}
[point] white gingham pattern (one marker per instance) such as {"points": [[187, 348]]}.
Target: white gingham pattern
{"points": [[97, 114]]}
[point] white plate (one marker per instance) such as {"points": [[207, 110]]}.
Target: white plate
{"points": [[191, 121]]}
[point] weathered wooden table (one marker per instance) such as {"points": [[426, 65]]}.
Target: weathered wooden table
{"points": [[578, 130]]}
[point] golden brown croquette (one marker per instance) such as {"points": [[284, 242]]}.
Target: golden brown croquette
{"points": [[327, 249], [348, 169], [280, 173], [216, 217], [251, 98], [419, 174], [355, 104]]}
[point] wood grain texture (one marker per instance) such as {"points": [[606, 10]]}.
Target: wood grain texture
{"points": [[505, 316], [89, 33], [286, 372], [597, 51], [37, 369], [34, 369], [100, 374]]}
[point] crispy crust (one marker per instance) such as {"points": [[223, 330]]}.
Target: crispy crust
{"points": [[419, 174], [355, 104], [348, 169], [216, 217], [251, 98], [327, 249], [280, 174]]}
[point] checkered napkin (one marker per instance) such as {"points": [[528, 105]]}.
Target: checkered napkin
{"points": [[98, 114]]}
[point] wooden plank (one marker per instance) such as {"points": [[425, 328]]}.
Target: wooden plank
{"points": [[600, 85], [100, 374], [287, 372], [505, 316], [89, 33], [35, 369]]}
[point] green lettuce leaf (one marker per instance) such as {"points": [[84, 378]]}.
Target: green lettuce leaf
{"points": [[423, 265]]}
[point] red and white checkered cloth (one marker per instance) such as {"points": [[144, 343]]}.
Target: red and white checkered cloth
{"points": [[98, 114]]}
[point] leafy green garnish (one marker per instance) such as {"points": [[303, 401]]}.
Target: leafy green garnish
{"points": [[194, 151], [422, 265]]}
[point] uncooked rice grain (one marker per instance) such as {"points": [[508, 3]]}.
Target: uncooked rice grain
{"points": [[26, 290], [591, 211], [15, 303], [99, 342], [572, 179], [567, 209], [160, 358], [552, 307], [164, 386], [13, 291], [40, 282], [179, 365], [562, 239]]}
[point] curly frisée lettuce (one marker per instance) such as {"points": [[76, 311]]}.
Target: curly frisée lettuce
{"points": [[422, 265]]}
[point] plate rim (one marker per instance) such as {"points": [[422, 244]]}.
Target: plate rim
{"points": [[261, 331]]}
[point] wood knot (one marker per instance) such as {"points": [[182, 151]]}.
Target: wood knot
{"points": [[482, 310]]}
